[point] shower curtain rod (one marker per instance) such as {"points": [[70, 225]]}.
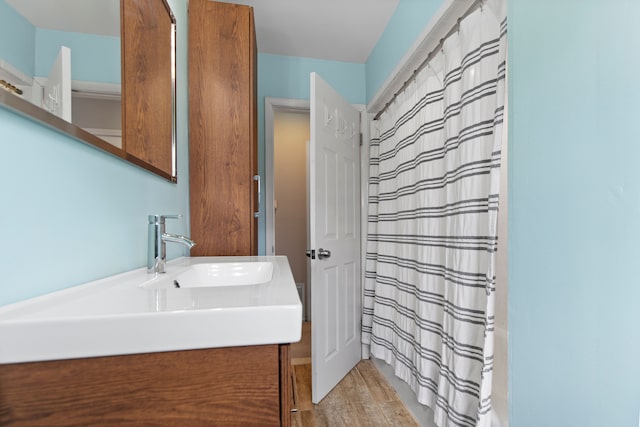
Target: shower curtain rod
{"points": [[454, 29]]}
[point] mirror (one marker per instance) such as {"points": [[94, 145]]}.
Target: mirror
{"points": [[101, 71]]}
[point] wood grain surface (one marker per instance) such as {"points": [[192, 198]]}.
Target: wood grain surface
{"points": [[215, 387], [363, 398], [285, 386], [147, 84], [301, 350], [222, 128]]}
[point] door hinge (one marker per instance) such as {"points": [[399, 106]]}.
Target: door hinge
{"points": [[361, 139]]}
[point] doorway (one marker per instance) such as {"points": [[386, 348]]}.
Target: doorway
{"points": [[335, 294], [287, 107], [290, 196]]}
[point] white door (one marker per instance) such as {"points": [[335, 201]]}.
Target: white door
{"points": [[57, 90], [334, 195]]}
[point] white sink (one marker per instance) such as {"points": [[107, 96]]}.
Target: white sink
{"points": [[221, 302], [211, 274]]}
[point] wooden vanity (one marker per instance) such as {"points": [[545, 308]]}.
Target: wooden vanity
{"points": [[131, 349], [235, 386]]}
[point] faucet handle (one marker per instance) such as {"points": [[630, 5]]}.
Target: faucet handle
{"points": [[163, 217], [159, 219]]}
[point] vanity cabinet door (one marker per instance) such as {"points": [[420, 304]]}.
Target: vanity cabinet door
{"points": [[228, 387], [222, 128]]}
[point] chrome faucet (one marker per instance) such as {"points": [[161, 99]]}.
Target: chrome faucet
{"points": [[157, 252]]}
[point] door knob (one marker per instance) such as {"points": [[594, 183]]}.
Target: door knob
{"points": [[324, 253]]}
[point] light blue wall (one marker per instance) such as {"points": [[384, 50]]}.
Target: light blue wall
{"points": [[71, 213], [97, 205], [17, 39], [94, 58], [288, 77], [574, 213], [406, 24], [34, 50]]}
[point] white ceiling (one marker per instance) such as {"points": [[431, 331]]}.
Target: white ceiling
{"points": [[339, 30], [82, 16]]}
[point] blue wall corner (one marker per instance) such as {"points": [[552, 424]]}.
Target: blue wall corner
{"points": [[33, 50], [17, 39], [289, 77], [94, 58], [407, 23]]}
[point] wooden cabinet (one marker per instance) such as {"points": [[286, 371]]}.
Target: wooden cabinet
{"points": [[147, 84], [236, 386], [222, 128]]}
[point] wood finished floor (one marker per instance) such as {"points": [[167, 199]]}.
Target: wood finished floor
{"points": [[362, 398], [301, 350]]}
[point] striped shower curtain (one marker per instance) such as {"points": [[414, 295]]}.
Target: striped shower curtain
{"points": [[432, 223]]}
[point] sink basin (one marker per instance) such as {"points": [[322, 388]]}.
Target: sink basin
{"points": [[222, 302], [219, 274]]}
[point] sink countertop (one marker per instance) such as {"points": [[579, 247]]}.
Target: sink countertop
{"points": [[126, 314]]}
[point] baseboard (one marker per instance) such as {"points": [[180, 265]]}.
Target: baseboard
{"points": [[300, 361], [422, 413]]}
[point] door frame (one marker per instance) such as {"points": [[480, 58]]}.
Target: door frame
{"points": [[271, 105]]}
